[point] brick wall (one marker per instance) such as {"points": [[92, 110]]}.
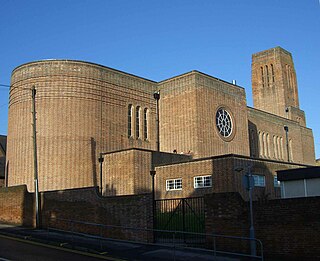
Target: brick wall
{"points": [[82, 110], [83, 205], [87, 206], [224, 176], [16, 206], [288, 228], [301, 141], [188, 107]]}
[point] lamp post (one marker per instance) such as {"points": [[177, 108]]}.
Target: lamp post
{"points": [[153, 173], [248, 182], [35, 158], [156, 96], [286, 129], [101, 159]]}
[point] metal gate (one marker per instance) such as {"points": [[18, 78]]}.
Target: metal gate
{"points": [[183, 215]]}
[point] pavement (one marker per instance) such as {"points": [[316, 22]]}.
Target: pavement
{"points": [[115, 249]]}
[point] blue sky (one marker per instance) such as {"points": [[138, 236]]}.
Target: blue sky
{"points": [[158, 39]]}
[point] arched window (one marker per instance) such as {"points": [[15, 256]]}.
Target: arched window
{"points": [[260, 144], [130, 111], [281, 147], [272, 73], [262, 77], [288, 76], [278, 148], [268, 146], [138, 122], [267, 76], [265, 149], [290, 150], [275, 147], [145, 121]]}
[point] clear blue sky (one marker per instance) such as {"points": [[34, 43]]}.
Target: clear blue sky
{"points": [[158, 39]]}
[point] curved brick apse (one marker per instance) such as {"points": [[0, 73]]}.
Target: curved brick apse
{"points": [[82, 110]]}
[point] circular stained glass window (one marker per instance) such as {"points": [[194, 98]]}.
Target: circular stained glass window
{"points": [[224, 123]]}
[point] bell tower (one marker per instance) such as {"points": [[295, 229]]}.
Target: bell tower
{"points": [[274, 84]]}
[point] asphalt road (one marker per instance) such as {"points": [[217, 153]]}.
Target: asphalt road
{"points": [[17, 249]]}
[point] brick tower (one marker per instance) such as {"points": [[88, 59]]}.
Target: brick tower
{"points": [[274, 84]]}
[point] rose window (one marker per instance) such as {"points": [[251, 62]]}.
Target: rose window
{"points": [[224, 123]]}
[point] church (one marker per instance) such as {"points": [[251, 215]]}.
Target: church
{"points": [[194, 133]]}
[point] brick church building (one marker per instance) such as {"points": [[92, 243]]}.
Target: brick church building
{"points": [[97, 126]]}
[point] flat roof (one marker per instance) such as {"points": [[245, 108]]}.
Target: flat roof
{"points": [[300, 173]]}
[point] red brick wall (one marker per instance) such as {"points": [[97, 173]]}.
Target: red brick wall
{"points": [[288, 228], [84, 205], [87, 206], [16, 206]]}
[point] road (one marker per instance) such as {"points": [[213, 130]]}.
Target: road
{"points": [[17, 249]]}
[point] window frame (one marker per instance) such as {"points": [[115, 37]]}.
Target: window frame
{"points": [[257, 181], [130, 122], [138, 117], [203, 181], [276, 182], [177, 184]]}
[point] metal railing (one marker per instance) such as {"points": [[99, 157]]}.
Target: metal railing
{"points": [[215, 244]]}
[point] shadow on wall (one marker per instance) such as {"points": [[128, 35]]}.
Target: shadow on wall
{"points": [[253, 140], [109, 190], [94, 161]]}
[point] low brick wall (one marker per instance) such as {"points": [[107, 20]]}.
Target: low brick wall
{"points": [[81, 205], [288, 228], [16, 206], [87, 206]]}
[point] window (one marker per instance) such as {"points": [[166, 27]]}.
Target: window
{"points": [[224, 122], [145, 126], [174, 184], [272, 73], [267, 75], [130, 108], [262, 77], [202, 182], [259, 181], [276, 183], [138, 122]]}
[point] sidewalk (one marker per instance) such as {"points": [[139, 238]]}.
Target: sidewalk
{"points": [[123, 250]]}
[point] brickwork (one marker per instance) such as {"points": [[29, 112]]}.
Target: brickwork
{"points": [[188, 107], [82, 110], [224, 176], [265, 129], [16, 206], [3, 145], [80, 205], [127, 172], [288, 229], [274, 83]]}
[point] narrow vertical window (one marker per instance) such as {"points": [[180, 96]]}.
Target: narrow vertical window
{"points": [[268, 146], [267, 76], [138, 122], [145, 126], [262, 77], [278, 148], [264, 144], [130, 108], [275, 146], [290, 150], [272, 73], [288, 76], [281, 147], [260, 144]]}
